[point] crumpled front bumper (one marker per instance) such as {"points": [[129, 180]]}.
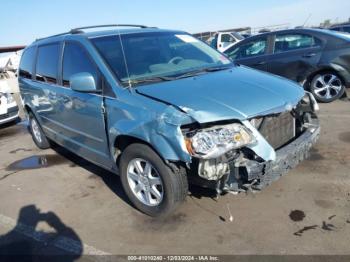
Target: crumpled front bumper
{"points": [[287, 158]]}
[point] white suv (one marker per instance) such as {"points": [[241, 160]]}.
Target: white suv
{"points": [[8, 108], [223, 40]]}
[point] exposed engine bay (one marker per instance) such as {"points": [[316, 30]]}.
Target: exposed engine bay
{"points": [[290, 133]]}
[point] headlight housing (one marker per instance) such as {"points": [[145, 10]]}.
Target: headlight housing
{"points": [[215, 141], [10, 98], [309, 99]]}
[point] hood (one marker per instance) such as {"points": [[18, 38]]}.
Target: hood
{"points": [[237, 93]]}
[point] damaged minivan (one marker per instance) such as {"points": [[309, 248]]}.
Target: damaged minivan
{"points": [[163, 109]]}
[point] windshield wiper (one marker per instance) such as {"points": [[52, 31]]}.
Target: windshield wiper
{"points": [[203, 70], [219, 68], [170, 78], [148, 80]]}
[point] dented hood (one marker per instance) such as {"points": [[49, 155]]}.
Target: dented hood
{"points": [[237, 93]]}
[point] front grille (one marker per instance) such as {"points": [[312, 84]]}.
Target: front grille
{"points": [[278, 130]]}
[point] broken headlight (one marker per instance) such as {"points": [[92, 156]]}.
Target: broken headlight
{"points": [[213, 142], [309, 99]]}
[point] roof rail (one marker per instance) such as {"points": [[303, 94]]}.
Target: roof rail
{"points": [[65, 33], [110, 25], [79, 30]]}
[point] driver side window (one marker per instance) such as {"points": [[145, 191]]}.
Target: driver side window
{"points": [[253, 48], [76, 60]]}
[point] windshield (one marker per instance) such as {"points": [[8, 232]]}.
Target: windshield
{"points": [[157, 55]]}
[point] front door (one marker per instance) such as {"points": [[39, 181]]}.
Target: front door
{"points": [[82, 116]]}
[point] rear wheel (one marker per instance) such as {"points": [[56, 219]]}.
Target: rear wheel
{"points": [[327, 87], [37, 133], [149, 183]]}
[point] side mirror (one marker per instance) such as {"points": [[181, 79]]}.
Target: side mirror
{"points": [[83, 82]]}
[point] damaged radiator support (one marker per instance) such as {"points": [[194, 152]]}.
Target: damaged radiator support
{"points": [[287, 158]]}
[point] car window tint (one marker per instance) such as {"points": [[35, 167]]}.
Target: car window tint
{"points": [[346, 29], [226, 38], [250, 49], [76, 60], [26, 65], [336, 28], [47, 63], [290, 42]]}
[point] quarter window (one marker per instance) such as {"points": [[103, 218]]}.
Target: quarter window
{"points": [[290, 42], [253, 48], [76, 60], [47, 63], [26, 65]]}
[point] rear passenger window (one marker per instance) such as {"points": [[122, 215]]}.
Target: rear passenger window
{"points": [[27, 63], [47, 63], [76, 60], [290, 42]]}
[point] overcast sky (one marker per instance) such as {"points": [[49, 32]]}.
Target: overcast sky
{"points": [[24, 21]]}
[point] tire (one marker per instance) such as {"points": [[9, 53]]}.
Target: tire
{"points": [[37, 133], [327, 87], [139, 164]]}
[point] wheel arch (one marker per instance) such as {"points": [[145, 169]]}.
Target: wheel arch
{"points": [[321, 70], [123, 141], [27, 109], [162, 149]]}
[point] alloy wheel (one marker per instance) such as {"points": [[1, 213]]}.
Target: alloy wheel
{"points": [[145, 182], [36, 130], [327, 86]]}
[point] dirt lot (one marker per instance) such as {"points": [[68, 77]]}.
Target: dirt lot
{"points": [[305, 212]]}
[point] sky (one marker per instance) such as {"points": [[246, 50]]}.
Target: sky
{"points": [[22, 21]]}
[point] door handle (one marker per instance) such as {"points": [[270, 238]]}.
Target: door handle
{"points": [[260, 63], [309, 55]]}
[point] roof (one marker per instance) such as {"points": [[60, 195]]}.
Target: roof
{"points": [[97, 33], [126, 31], [340, 25], [297, 30]]}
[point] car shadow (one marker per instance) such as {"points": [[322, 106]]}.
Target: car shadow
{"points": [[111, 180]]}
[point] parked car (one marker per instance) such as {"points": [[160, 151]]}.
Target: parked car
{"points": [[341, 28], [8, 109], [162, 109], [318, 59], [223, 40]]}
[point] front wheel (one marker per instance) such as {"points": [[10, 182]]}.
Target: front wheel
{"points": [[149, 183], [327, 87]]}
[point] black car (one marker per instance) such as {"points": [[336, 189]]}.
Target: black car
{"points": [[341, 28], [317, 59]]}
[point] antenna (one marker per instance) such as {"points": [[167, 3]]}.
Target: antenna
{"points": [[123, 52], [307, 19]]}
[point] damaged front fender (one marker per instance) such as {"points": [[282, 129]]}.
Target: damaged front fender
{"points": [[159, 129]]}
